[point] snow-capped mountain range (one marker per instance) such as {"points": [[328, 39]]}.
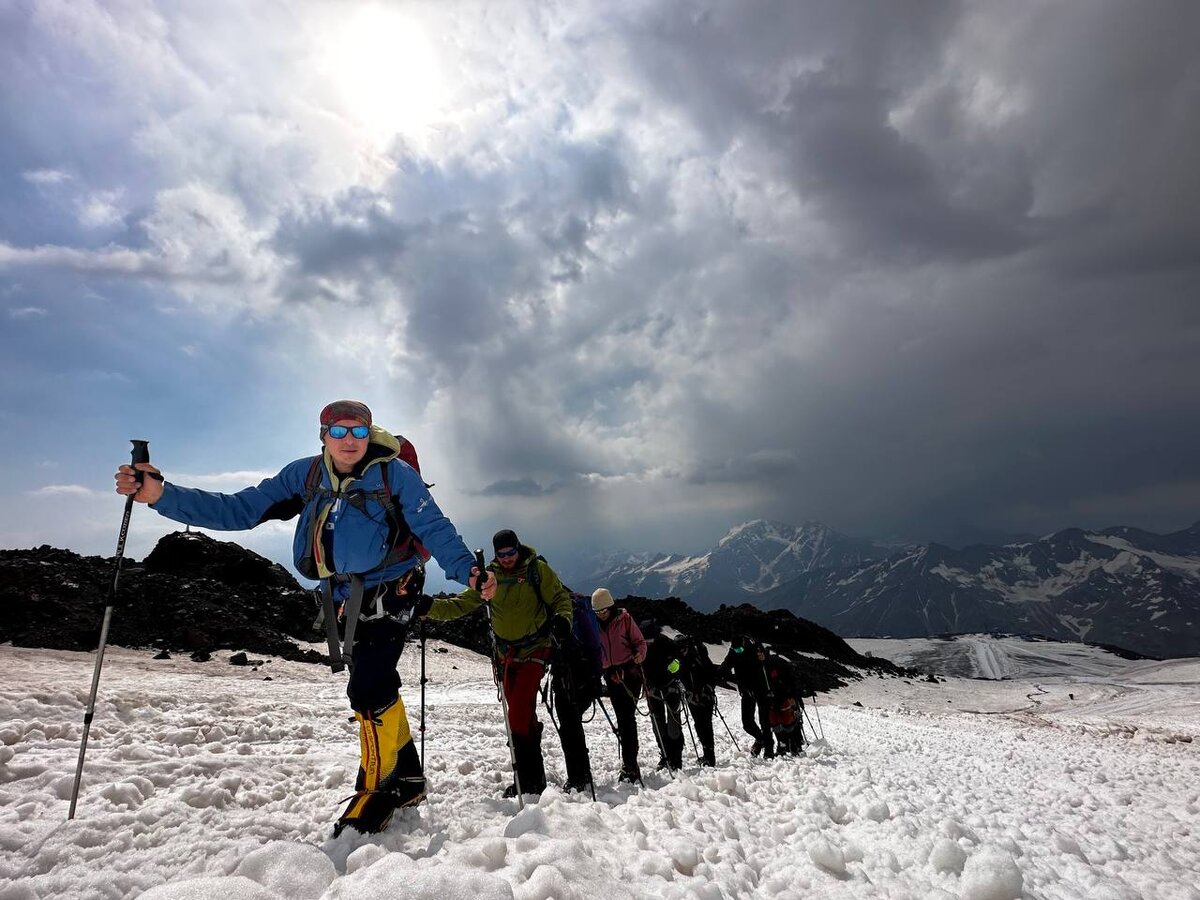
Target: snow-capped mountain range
{"points": [[1120, 586], [752, 558]]}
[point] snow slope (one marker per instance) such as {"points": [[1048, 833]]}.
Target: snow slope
{"points": [[995, 657], [207, 781]]}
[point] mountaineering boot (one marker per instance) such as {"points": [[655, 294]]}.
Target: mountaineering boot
{"points": [[389, 774], [795, 742], [527, 748], [530, 763], [756, 748], [579, 771], [708, 758], [630, 774], [536, 790]]}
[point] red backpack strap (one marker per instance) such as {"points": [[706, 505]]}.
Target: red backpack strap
{"points": [[312, 480], [418, 548]]}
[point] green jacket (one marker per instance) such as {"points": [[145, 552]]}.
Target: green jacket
{"points": [[519, 619]]}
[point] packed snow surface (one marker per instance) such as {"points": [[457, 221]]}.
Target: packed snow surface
{"points": [[209, 781]]}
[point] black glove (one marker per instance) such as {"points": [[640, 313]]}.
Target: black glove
{"points": [[560, 632], [414, 582], [406, 607]]}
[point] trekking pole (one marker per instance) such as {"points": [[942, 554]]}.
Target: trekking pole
{"points": [[617, 733], [139, 454], [587, 755], [658, 736], [721, 716], [502, 673], [680, 717], [687, 720], [544, 691], [587, 751], [808, 718], [817, 707], [421, 637], [604, 709]]}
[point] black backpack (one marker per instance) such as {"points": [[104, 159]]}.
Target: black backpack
{"points": [[584, 624]]}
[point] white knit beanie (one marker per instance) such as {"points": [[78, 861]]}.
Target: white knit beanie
{"points": [[601, 599]]}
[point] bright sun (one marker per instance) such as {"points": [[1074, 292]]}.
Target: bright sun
{"points": [[386, 73]]}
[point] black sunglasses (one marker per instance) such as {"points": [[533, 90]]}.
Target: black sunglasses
{"points": [[506, 554], [337, 432]]}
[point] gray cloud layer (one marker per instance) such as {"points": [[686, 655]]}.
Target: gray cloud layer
{"points": [[926, 269]]}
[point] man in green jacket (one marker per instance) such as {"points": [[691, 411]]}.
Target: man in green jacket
{"points": [[524, 627]]}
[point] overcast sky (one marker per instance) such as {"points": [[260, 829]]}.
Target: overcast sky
{"points": [[627, 273]]}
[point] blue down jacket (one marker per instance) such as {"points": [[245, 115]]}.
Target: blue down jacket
{"points": [[358, 534]]}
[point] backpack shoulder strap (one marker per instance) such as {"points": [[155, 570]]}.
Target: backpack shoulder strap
{"points": [[534, 577], [406, 543], [533, 574], [386, 492], [312, 479]]}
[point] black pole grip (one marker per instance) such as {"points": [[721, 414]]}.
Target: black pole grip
{"points": [[141, 454], [481, 579]]}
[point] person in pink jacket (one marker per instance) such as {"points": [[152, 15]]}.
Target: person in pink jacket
{"points": [[624, 650]]}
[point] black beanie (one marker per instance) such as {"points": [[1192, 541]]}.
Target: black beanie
{"points": [[505, 537]]}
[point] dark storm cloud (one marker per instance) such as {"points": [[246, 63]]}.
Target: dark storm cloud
{"points": [[883, 192], [1016, 320], [517, 487], [831, 133], [756, 466]]}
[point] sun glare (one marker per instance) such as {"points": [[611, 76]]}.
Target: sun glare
{"points": [[386, 73]]}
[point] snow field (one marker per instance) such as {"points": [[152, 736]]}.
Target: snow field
{"points": [[205, 781]]}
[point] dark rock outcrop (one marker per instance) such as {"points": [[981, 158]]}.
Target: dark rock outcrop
{"points": [[190, 554], [193, 594], [822, 659]]}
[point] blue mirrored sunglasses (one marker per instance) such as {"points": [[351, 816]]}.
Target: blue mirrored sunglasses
{"points": [[505, 554], [337, 432]]}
